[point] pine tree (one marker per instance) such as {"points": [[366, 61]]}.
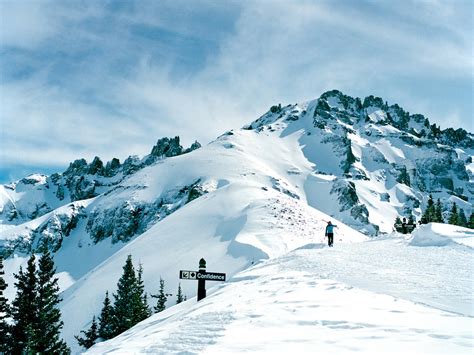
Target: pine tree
{"points": [[438, 212], [179, 296], [161, 296], [471, 220], [24, 309], [4, 326], [453, 217], [90, 336], [429, 214], [47, 332], [462, 220], [123, 318], [106, 330], [140, 302]]}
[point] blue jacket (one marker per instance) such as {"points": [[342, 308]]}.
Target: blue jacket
{"points": [[330, 228]]}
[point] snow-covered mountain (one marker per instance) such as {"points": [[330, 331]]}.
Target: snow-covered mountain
{"points": [[253, 194]]}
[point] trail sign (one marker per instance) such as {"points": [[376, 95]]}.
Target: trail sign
{"points": [[211, 276], [201, 276], [187, 275]]}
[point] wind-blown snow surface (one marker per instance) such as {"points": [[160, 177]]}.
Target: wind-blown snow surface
{"points": [[375, 297]]}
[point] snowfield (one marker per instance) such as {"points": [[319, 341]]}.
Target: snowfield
{"points": [[373, 297]]}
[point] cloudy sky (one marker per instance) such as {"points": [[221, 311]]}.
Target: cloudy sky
{"points": [[108, 78]]}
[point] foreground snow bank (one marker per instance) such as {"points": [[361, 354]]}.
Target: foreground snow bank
{"points": [[375, 297], [439, 235]]}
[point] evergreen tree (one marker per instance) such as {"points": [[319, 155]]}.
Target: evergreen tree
{"points": [[24, 309], [49, 324], [462, 220], [429, 214], [124, 316], [471, 221], [90, 336], [179, 296], [161, 296], [106, 330], [453, 217], [438, 212], [4, 327], [140, 303]]}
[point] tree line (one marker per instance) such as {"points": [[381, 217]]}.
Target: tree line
{"points": [[456, 216], [434, 214], [32, 323], [130, 307]]}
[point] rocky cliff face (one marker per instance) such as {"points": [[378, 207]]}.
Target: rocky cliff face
{"points": [[381, 154], [52, 200]]}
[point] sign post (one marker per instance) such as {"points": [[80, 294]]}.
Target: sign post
{"points": [[201, 282], [202, 275]]}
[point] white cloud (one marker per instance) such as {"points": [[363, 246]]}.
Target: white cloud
{"points": [[120, 92]]}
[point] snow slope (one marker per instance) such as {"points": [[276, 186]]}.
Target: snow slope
{"points": [[253, 210], [376, 297]]}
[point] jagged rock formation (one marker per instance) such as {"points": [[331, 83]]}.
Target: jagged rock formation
{"points": [[373, 142], [37, 195]]}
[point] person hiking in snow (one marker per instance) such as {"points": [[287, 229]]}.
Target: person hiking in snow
{"points": [[330, 233]]}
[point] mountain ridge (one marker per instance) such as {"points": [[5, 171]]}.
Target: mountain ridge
{"points": [[339, 121]]}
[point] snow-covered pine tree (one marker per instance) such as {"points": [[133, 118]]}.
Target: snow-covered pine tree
{"points": [[24, 309], [106, 330], [49, 325], [179, 296], [161, 296], [90, 336], [4, 326], [124, 318]]}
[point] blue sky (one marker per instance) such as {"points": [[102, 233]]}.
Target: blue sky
{"points": [[108, 78]]}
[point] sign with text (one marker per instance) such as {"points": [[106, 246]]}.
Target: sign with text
{"points": [[201, 275]]}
